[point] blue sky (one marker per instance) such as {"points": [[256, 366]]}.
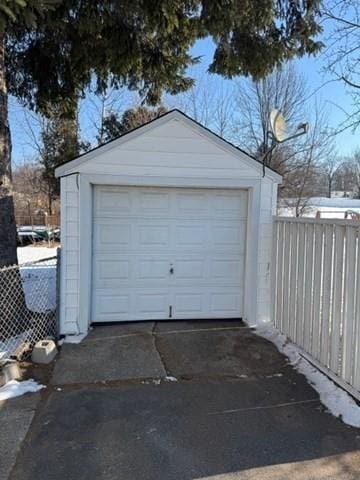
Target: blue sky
{"points": [[333, 94]]}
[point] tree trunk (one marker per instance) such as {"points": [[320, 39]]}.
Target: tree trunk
{"points": [[49, 202], [8, 255], [13, 311]]}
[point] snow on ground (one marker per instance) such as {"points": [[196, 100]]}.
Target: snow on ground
{"points": [[39, 284], [15, 389], [328, 207], [39, 280], [349, 203], [336, 400], [33, 253], [13, 343]]}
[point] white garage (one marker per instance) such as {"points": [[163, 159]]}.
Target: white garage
{"points": [[166, 222]]}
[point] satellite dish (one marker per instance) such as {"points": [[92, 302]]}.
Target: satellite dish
{"points": [[278, 125]]}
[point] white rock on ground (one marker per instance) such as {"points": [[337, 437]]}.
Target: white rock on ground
{"points": [[336, 400]]}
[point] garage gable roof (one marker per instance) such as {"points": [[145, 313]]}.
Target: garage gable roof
{"points": [[71, 165]]}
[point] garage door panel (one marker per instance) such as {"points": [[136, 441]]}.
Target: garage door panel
{"points": [[140, 234], [190, 235], [230, 205], [126, 303], [114, 235], [152, 269], [228, 270], [131, 270], [193, 202], [225, 302], [226, 235], [189, 304], [189, 269], [153, 202], [154, 303], [108, 304], [113, 201], [154, 234], [208, 302], [110, 269]]}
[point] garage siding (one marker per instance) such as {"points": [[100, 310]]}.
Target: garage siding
{"points": [[173, 150], [69, 291], [70, 252]]}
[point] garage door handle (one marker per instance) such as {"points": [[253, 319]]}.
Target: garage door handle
{"points": [[171, 270]]}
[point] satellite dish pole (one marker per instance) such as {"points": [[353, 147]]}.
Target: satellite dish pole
{"points": [[278, 132]]}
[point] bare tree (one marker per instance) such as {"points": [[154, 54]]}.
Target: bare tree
{"points": [[301, 171], [345, 179], [99, 106], [298, 159], [54, 140], [209, 102], [342, 19], [285, 90], [31, 191], [353, 165], [329, 169]]}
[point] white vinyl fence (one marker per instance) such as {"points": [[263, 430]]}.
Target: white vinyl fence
{"points": [[316, 301]]}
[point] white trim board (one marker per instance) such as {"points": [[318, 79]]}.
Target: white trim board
{"points": [[86, 236]]}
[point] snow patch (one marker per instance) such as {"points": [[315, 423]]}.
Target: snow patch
{"points": [[328, 207], [39, 284], [336, 400], [74, 338], [348, 203], [13, 343], [170, 378], [32, 253], [14, 388]]}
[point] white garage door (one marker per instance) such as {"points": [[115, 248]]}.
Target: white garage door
{"points": [[161, 253]]}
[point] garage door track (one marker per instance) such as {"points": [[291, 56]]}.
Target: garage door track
{"points": [[182, 400]]}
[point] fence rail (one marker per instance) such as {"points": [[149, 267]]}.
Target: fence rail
{"points": [[316, 301], [37, 220], [28, 306]]}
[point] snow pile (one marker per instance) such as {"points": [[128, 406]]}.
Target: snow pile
{"points": [[32, 253], [328, 207], [13, 343], [349, 203], [15, 389], [336, 400]]}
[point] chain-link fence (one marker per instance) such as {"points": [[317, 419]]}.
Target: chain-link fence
{"points": [[28, 306]]}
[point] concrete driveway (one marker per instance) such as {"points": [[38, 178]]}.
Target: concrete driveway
{"points": [[182, 400]]}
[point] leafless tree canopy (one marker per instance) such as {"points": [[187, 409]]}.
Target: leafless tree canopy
{"points": [[209, 103], [297, 160], [342, 21]]}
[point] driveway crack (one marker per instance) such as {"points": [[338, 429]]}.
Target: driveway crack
{"points": [[156, 346]]}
